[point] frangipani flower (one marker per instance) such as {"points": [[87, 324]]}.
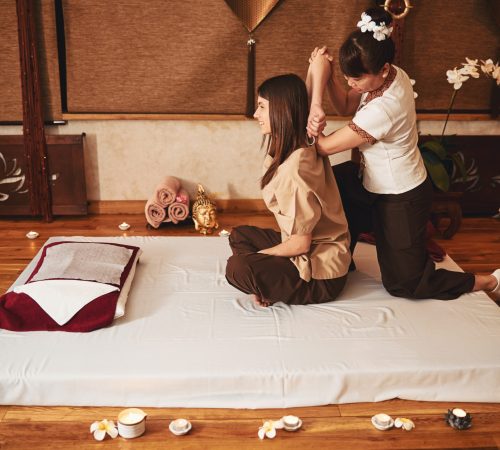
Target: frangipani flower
{"points": [[380, 32], [101, 428], [404, 424], [456, 78], [366, 23], [268, 429]]}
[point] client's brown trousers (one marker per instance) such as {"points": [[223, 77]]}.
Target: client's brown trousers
{"points": [[399, 222], [273, 278]]}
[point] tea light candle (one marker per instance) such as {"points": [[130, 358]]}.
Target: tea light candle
{"points": [[383, 419], [124, 226], [457, 412], [290, 421], [180, 424], [131, 423]]}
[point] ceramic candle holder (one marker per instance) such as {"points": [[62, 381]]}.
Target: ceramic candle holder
{"points": [[382, 421], [458, 418], [131, 423], [180, 426]]}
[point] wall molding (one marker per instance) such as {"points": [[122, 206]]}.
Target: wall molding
{"points": [[245, 205]]}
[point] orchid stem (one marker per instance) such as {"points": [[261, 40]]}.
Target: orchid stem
{"points": [[449, 112]]}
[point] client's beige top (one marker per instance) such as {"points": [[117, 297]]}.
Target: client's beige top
{"points": [[304, 197]]}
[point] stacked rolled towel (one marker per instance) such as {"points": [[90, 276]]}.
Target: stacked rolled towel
{"points": [[179, 210], [169, 203]]}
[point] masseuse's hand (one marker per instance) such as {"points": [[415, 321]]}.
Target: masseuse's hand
{"points": [[316, 122]]}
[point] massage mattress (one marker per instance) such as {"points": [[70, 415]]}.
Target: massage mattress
{"points": [[189, 339]]}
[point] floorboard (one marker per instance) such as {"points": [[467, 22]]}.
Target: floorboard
{"points": [[476, 247]]}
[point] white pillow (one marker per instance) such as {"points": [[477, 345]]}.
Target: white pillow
{"points": [[123, 297]]}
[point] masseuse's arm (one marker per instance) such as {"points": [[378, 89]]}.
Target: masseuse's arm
{"points": [[317, 77], [339, 141], [295, 245]]}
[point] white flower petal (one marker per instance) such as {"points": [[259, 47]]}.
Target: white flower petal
{"points": [[271, 434], [94, 426], [112, 431], [99, 434], [278, 424], [412, 81], [261, 433], [415, 95]]}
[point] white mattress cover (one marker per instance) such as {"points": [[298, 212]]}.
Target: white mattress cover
{"points": [[189, 339]]}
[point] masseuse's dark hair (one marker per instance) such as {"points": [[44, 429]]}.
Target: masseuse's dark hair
{"points": [[288, 112], [361, 53]]}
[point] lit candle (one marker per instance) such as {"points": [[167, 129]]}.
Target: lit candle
{"points": [[131, 423], [180, 424], [291, 421], [459, 412]]}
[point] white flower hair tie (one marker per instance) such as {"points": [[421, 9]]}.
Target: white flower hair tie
{"points": [[380, 32]]}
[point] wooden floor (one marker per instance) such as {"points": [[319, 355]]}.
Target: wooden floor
{"points": [[475, 248]]}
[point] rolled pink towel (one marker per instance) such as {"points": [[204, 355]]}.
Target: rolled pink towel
{"points": [[155, 213], [179, 210], [166, 191]]}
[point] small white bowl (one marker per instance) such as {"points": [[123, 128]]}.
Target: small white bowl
{"points": [[180, 427], [124, 226], [32, 235]]}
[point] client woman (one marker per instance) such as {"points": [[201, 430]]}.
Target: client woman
{"points": [[307, 262]]}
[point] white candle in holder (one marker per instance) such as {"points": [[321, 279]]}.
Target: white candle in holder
{"points": [[131, 423], [291, 421]]}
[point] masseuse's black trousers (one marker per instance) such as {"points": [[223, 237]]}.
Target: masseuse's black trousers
{"points": [[273, 278], [399, 222]]}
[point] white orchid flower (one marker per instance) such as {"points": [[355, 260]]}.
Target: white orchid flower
{"points": [[268, 429], [487, 66], [404, 424], [469, 69], [366, 23], [101, 428], [456, 78], [496, 74], [470, 62]]}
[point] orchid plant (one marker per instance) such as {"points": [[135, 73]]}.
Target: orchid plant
{"points": [[439, 162]]}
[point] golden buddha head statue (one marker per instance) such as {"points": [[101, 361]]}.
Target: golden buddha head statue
{"points": [[204, 213]]}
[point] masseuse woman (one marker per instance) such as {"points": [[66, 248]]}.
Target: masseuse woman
{"points": [[308, 260], [390, 192]]}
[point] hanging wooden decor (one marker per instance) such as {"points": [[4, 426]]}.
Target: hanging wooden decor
{"points": [[398, 9], [251, 13]]}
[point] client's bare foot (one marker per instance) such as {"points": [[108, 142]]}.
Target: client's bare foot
{"points": [[486, 283], [259, 301]]}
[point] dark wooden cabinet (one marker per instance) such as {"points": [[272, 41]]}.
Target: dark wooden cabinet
{"points": [[66, 169]]}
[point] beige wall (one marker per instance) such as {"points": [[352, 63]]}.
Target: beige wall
{"points": [[125, 159]]}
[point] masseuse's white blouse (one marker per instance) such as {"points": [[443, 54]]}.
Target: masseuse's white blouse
{"points": [[386, 119]]}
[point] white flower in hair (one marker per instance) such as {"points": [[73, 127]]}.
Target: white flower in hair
{"points": [[381, 32], [366, 23], [456, 77]]}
